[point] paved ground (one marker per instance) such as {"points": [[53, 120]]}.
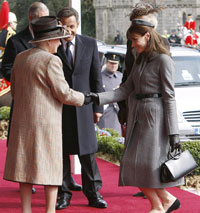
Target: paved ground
{"points": [[194, 191]]}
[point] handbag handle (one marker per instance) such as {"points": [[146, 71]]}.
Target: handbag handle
{"points": [[174, 155]]}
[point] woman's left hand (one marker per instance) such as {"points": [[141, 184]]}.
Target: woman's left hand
{"points": [[174, 141]]}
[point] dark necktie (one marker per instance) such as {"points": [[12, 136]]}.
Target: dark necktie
{"points": [[69, 53]]}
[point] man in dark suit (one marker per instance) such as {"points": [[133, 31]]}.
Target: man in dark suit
{"points": [[82, 71], [20, 41]]}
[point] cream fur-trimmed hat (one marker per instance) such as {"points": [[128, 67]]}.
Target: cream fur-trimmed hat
{"points": [[47, 28]]}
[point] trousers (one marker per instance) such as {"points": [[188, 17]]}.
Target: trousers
{"points": [[91, 179]]}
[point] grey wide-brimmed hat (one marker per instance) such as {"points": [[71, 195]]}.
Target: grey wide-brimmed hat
{"points": [[47, 28]]}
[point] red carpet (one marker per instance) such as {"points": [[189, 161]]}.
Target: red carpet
{"points": [[119, 199]]}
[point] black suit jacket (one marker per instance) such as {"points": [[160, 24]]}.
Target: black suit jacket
{"points": [[85, 76], [15, 45]]}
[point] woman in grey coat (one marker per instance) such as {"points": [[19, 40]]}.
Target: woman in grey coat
{"points": [[152, 125]]}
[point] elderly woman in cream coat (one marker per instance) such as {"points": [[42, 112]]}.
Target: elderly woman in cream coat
{"points": [[38, 89], [152, 125]]}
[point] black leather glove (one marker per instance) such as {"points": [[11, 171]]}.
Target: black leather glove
{"points": [[91, 97], [174, 142], [122, 116]]}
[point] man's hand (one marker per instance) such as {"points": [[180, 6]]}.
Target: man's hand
{"points": [[174, 142], [97, 117], [91, 97]]}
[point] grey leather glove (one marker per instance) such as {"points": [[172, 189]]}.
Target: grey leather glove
{"points": [[91, 97], [174, 141]]}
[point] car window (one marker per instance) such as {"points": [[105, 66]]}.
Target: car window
{"points": [[187, 70]]}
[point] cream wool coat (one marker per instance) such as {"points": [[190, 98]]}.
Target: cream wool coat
{"points": [[39, 90], [150, 121]]}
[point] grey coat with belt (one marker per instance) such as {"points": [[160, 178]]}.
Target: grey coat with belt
{"points": [[150, 121]]}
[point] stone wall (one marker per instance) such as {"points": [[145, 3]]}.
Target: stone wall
{"points": [[112, 15]]}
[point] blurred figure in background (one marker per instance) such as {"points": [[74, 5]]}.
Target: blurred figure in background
{"points": [[165, 34], [173, 38], [111, 80], [190, 24], [192, 39], [6, 33], [118, 38]]}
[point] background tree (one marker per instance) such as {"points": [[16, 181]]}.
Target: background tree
{"points": [[20, 8], [88, 18]]}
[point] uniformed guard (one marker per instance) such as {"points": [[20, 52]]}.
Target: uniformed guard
{"points": [[6, 33], [111, 80]]}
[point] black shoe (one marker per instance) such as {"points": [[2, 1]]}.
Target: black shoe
{"points": [[174, 206], [98, 202], [62, 202], [33, 190], [75, 187], [139, 194]]}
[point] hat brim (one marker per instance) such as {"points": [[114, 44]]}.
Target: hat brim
{"points": [[112, 61], [46, 38]]}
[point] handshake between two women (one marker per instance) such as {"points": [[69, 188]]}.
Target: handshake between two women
{"points": [[91, 97]]}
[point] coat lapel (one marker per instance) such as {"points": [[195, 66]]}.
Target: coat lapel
{"points": [[145, 61], [79, 51], [141, 67], [25, 38]]}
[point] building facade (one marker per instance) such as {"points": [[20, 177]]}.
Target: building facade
{"points": [[112, 15]]}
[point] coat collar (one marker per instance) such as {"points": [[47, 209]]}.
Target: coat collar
{"points": [[144, 61], [110, 74], [79, 51], [25, 37]]}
